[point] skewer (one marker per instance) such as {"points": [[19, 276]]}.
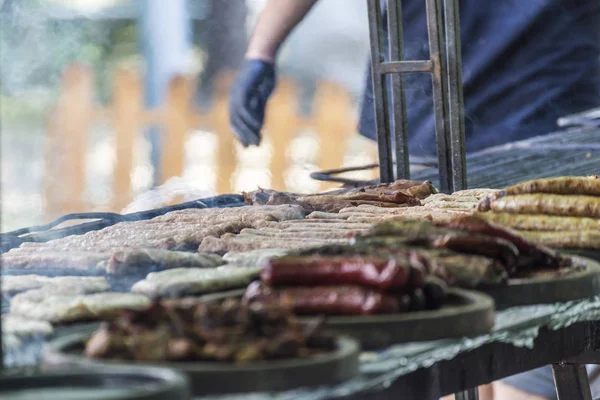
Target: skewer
{"points": [[445, 67]]}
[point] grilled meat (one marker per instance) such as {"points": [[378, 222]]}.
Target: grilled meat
{"points": [[60, 304], [326, 300], [567, 185], [13, 284], [181, 282], [223, 332], [530, 253], [585, 239], [378, 273], [551, 204], [541, 222]]}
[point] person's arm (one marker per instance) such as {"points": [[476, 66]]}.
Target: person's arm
{"points": [[256, 79], [276, 21]]}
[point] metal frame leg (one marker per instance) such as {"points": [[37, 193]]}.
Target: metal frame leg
{"points": [[445, 68], [439, 86], [382, 120], [571, 382], [396, 53], [455, 117], [470, 394]]}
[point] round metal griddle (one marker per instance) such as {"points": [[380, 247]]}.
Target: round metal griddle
{"points": [[133, 383], [549, 288], [221, 378], [466, 313]]}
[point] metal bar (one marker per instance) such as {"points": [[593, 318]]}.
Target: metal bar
{"points": [[405, 67], [396, 51], [571, 382], [455, 117], [434, 31], [1, 341], [470, 394], [382, 121]]}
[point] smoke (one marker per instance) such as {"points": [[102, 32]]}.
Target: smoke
{"points": [[38, 39]]}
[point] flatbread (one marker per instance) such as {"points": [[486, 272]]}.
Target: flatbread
{"points": [[125, 261], [24, 327], [13, 284], [253, 258], [55, 304], [478, 193], [182, 282]]}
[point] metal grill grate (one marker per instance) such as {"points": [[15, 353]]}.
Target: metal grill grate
{"points": [[445, 67]]}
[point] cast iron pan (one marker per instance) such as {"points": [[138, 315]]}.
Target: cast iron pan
{"points": [[135, 383], [220, 378], [549, 289], [466, 313]]}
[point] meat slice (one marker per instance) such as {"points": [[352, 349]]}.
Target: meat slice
{"points": [[253, 258], [127, 261], [61, 304], [305, 234], [25, 327], [477, 193], [530, 253], [182, 282], [397, 194], [54, 260], [325, 215], [13, 284], [221, 246]]}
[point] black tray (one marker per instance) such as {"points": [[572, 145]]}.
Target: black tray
{"points": [[545, 290], [134, 383], [593, 254], [219, 378], [466, 313]]}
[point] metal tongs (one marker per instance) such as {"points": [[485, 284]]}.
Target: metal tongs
{"points": [[590, 118], [444, 66]]}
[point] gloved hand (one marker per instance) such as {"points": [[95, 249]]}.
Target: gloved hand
{"points": [[248, 99]]}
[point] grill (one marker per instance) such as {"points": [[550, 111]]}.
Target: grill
{"points": [[445, 67], [44, 233], [566, 153]]}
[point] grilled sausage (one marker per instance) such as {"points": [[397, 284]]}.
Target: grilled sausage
{"points": [[382, 274], [570, 206], [327, 300]]}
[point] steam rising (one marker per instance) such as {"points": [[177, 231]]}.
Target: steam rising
{"points": [[36, 42]]}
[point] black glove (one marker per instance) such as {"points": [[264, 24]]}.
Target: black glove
{"points": [[248, 99]]}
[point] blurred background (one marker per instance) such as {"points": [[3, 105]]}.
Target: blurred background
{"points": [[121, 105]]}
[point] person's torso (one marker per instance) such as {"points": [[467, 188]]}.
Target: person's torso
{"points": [[525, 63]]}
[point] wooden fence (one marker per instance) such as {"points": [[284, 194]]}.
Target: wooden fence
{"points": [[75, 114]]}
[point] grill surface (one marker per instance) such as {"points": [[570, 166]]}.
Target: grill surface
{"points": [[571, 152]]}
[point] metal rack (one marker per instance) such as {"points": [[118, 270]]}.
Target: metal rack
{"points": [[445, 67]]}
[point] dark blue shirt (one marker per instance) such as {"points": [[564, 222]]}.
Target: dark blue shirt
{"points": [[525, 64]]}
